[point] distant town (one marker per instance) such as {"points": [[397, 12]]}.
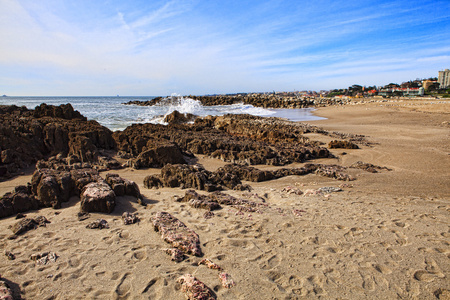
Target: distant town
{"points": [[434, 87]]}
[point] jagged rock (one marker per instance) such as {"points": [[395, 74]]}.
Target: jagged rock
{"points": [[27, 136], [44, 258], [28, 224], [195, 289], [20, 200], [82, 177], [98, 197], [368, 167], [64, 111], [342, 144], [234, 138], [176, 254], [129, 218], [5, 291], [98, 224], [159, 155], [174, 232], [214, 201], [178, 118], [52, 187], [152, 181], [227, 281], [122, 186]]}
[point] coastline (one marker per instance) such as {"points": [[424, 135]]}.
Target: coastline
{"points": [[384, 236]]}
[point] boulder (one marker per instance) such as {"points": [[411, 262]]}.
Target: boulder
{"points": [[52, 187], [122, 186], [179, 118], [162, 153], [175, 232], [98, 197], [20, 200]]}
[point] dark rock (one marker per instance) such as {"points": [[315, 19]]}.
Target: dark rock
{"points": [[178, 118], [98, 197], [368, 167], [28, 224], [161, 154], [20, 200], [98, 224], [52, 187], [82, 215], [342, 144], [27, 136], [129, 218], [122, 186]]}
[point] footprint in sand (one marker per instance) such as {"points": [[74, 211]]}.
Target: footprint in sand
{"points": [[432, 270], [123, 288], [271, 263]]}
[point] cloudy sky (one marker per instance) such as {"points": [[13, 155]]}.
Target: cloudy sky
{"points": [[151, 47]]}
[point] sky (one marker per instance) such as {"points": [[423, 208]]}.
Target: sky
{"points": [[150, 48]]}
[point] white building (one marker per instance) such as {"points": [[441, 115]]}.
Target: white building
{"points": [[444, 78]]}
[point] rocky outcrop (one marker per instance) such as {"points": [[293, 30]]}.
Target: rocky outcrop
{"points": [[122, 186], [98, 197], [231, 176], [27, 136], [20, 200], [179, 118], [52, 187], [195, 177], [233, 138], [342, 144], [158, 155]]}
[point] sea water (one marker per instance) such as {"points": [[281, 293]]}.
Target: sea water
{"points": [[113, 114]]}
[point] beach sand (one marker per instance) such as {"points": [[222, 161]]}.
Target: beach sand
{"points": [[385, 236]]}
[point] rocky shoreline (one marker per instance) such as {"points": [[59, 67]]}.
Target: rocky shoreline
{"points": [[257, 100], [127, 214]]}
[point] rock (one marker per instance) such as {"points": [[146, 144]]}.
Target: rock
{"points": [[207, 262], [98, 224], [5, 291], [52, 187], [20, 200], [98, 197], [44, 258], [368, 167], [159, 155], [175, 253], [174, 232], [178, 118], [329, 189], [227, 281], [82, 215], [194, 288], [10, 256], [30, 135], [122, 186], [342, 144], [28, 224], [129, 218]]}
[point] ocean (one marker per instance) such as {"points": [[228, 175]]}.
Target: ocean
{"points": [[113, 114]]}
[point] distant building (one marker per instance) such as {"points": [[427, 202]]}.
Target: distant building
{"points": [[444, 78], [397, 91], [427, 83]]}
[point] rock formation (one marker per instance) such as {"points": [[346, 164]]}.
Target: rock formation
{"points": [[27, 136]]}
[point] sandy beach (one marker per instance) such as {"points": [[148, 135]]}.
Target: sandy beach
{"points": [[386, 235]]}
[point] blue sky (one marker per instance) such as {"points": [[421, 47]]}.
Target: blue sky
{"points": [[90, 48]]}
